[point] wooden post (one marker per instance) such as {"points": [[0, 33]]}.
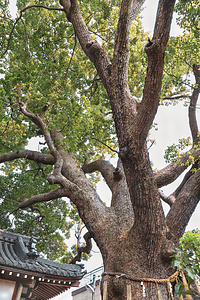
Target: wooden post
{"points": [[105, 290], [188, 297], [129, 296], [197, 285]]}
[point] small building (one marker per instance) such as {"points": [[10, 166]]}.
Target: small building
{"points": [[89, 286], [88, 292], [25, 275]]}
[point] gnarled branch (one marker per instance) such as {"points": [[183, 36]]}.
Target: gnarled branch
{"points": [[55, 194], [171, 172], [153, 81], [185, 204], [36, 156], [167, 199], [104, 167], [37, 120], [92, 49], [85, 249]]}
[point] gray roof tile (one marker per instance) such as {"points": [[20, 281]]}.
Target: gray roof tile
{"points": [[18, 251]]}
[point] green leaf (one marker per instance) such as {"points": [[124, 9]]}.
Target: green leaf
{"points": [[190, 273], [188, 292], [179, 288]]}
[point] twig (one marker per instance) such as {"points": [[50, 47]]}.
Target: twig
{"points": [[7, 199], [5, 129], [172, 75], [15, 210], [97, 34], [68, 119], [104, 144], [39, 218], [32, 221], [44, 228], [27, 41], [172, 97], [151, 145], [94, 81], [73, 51], [42, 6], [4, 17], [3, 144]]}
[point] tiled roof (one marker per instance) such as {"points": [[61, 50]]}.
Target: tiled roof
{"points": [[18, 251], [19, 258]]}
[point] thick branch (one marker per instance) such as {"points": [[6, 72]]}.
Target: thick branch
{"points": [[170, 173], [124, 106], [155, 52], [167, 199], [185, 204], [37, 120], [46, 159], [55, 194], [185, 179], [92, 48], [163, 20], [192, 107], [128, 12], [104, 167], [116, 181], [58, 166], [45, 108]]}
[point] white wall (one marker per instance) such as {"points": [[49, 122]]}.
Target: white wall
{"points": [[86, 294]]}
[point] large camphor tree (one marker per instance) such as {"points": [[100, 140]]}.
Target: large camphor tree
{"points": [[83, 76]]}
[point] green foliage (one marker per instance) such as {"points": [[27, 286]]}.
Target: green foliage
{"points": [[174, 152], [69, 255], [187, 258], [182, 52], [189, 15], [51, 221], [49, 65], [45, 60], [188, 254], [138, 60]]}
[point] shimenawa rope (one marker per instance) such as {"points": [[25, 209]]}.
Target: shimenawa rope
{"points": [[154, 280]]}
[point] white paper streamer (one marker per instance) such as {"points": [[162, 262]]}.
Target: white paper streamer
{"points": [[143, 289]]}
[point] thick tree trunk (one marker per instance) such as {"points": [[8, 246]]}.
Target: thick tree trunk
{"points": [[127, 266]]}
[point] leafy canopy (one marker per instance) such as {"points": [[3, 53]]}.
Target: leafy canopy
{"points": [[43, 63]]}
